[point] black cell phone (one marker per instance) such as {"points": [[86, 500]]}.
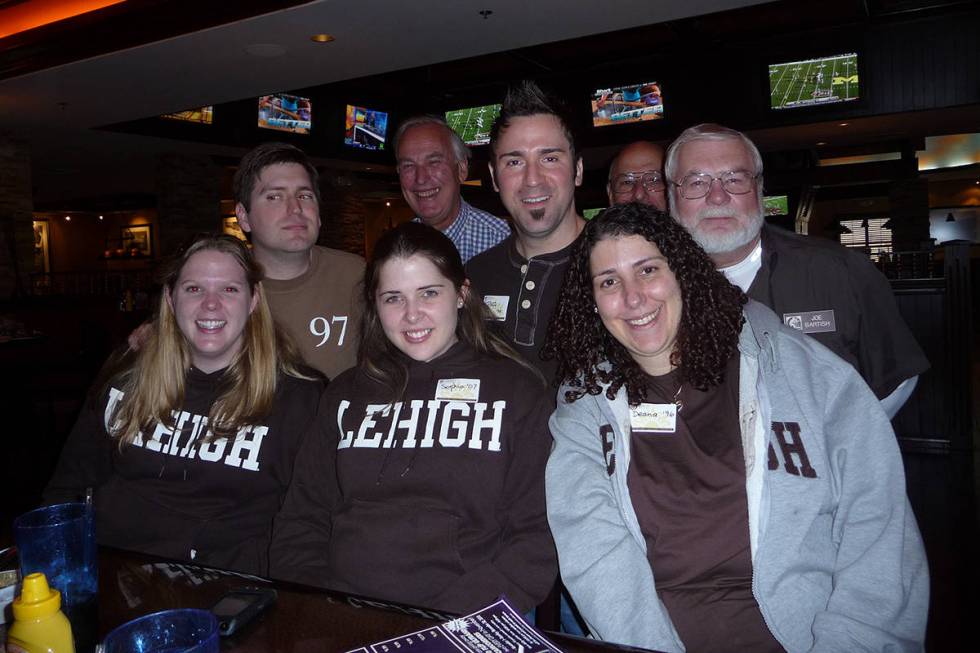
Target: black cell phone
{"points": [[238, 607]]}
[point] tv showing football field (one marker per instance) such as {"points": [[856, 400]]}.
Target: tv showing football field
{"points": [[814, 82], [473, 124], [776, 204], [365, 128], [285, 113], [621, 105]]}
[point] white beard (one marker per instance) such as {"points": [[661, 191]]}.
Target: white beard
{"points": [[747, 230]]}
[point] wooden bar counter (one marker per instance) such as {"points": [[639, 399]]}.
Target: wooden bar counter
{"points": [[303, 620]]}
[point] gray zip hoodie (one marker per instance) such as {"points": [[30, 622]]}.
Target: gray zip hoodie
{"points": [[838, 562]]}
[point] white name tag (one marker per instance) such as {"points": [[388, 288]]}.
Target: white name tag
{"points": [[497, 305], [458, 390], [654, 418]]}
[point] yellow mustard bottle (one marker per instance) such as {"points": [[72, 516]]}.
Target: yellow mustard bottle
{"points": [[39, 624]]}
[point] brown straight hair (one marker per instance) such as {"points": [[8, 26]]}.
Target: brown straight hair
{"points": [[376, 355]]}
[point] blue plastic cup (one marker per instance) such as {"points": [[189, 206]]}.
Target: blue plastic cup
{"points": [[59, 541], [170, 631]]}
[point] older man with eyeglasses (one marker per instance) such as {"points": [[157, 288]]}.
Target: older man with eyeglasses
{"points": [[830, 292], [636, 175]]}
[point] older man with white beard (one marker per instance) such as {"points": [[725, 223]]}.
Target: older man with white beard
{"points": [[829, 292]]}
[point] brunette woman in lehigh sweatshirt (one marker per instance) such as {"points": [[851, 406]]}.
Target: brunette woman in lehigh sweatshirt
{"points": [[424, 483]]}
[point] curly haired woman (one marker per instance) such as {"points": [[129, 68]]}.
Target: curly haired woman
{"points": [[719, 482]]}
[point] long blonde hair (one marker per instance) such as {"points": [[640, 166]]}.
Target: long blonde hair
{"points": [[153, 379]]}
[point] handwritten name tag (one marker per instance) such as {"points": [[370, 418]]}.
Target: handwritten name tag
{"points": [[458, 390], [654, 418], [497, 305]]}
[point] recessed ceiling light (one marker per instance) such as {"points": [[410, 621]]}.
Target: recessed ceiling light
{"points": [[322, 38], [819, 143], [265, 50], [68, 218], [844, 124], [388, 203]]}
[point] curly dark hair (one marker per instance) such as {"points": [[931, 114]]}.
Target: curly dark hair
{"points": [[711, 318]]}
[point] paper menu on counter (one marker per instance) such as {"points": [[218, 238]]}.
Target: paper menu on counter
{"points": [[497, 628]]}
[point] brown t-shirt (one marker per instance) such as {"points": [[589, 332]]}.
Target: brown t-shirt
{"points": [[688, 492], [321, 309]]}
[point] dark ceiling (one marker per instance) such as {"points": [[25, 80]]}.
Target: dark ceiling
{"points": [[90, 85]]}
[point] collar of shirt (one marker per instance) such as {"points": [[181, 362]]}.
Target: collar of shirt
{"points": [[456, 227], [551, 258]]}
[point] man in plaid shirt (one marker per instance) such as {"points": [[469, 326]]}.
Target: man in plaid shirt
{"points": [[432, 163]]}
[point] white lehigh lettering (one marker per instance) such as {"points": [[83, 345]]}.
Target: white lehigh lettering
{"points": [[395, 410], [369, 421], [347, 436], [189, 430], [214, 450], [411, 424], [493, 424], [180, 418], [447, 424], [161, 437], [250, 440], [199, 427], [458, 425], [114, 397], [433, 406]]}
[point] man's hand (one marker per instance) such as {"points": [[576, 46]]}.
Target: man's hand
{"points": [[139, 336]]}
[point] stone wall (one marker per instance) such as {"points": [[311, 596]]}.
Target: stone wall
{"points": [[188, 191], [16, 208]]}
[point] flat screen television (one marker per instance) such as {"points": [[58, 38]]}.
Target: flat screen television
{"points": [[202, 115], [814, 82], [473, 124], [776, 204], [622, 105], [365, 128], [286, 113]]}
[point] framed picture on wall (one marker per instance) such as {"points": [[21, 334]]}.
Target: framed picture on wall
{"points": [[230, 227], [138, 238], [42, 256]]}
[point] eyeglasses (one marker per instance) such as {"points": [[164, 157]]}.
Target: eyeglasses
{"points": [[734, 182], [626, 183]]}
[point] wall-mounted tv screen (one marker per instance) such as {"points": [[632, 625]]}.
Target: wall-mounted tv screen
{"points": [[622, 105], [776, 204], [473, 124], [287, 113], [812, 82], [365, 128], [202, 115]]}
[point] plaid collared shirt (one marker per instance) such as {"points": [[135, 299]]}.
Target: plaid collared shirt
{"points": [[474, 231]]}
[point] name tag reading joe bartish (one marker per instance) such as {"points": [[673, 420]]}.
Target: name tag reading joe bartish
{"points": [[811, 321]]}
